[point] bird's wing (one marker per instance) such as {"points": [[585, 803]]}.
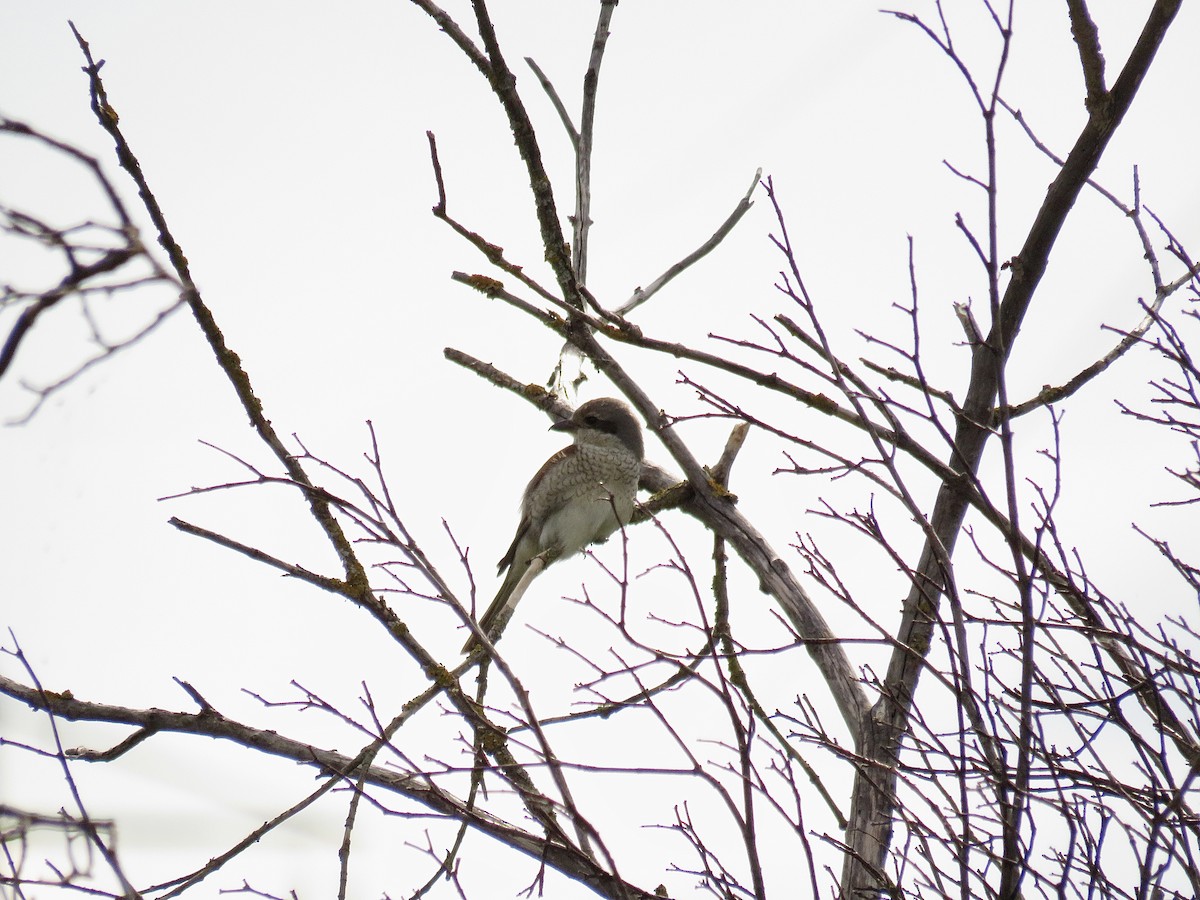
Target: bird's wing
{"points": [[506, 561], [497, 613], [526, 517], [565, 453], [527, 512]]}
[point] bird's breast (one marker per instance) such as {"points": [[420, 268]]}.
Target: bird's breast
{"points": [[585, 498]]}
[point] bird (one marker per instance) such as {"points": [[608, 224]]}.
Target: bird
{"points": [[579, 496]]}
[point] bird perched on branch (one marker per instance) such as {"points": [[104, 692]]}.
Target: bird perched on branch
{"points": [[580, 496]]}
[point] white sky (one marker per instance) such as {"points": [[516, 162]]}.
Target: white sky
{"points": [[286, 144]]}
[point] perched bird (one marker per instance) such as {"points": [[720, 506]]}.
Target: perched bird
{"points": [[581, 495]]}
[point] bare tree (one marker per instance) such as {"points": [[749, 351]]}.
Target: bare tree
{"points": [[1018, 730], [96, 259]]}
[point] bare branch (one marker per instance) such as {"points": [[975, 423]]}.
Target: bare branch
{"points": [[563, 115], [641, 295], [582, 221], [1087, 39], [566, 859]]}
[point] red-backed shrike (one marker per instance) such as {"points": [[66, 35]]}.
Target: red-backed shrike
{"points": [[581, 495]]}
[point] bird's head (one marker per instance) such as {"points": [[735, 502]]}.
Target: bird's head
{"points": [[599, 421]]}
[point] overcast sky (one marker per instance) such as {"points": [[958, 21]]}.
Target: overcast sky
{"points": [[287, 145]]}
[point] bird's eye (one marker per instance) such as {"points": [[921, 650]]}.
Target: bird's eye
{"points": [[590, 420]]}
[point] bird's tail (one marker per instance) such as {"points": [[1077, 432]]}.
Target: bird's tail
{"points": [[496, 616]]}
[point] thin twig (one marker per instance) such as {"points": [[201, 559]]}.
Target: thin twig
{"points": [[641, 295]]}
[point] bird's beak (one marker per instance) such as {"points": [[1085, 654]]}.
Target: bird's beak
{"points": [[565, 425]]}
